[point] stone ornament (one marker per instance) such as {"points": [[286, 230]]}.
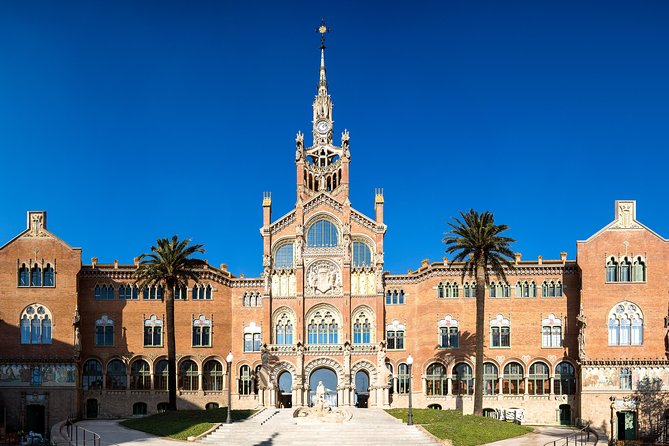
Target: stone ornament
{"points": [[323, 279]]}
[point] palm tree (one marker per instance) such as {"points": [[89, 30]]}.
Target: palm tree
{"points": [[170, 266], [475, 240]]}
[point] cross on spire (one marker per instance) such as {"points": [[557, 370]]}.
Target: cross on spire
{"points": [[322, 30]]}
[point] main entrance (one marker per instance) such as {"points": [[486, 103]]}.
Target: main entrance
{"points": [[361, 389], [35, 418], [329, 379], [285, 390]]}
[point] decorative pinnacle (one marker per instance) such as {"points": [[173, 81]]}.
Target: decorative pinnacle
{"points": [[322, 30]]}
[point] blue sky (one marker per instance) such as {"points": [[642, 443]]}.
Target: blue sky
{"points": [[133, 120]]}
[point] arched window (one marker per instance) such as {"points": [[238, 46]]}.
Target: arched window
{"points": [[403, 378], [463, 381], [117, 378], [153, 332], [513, 382], [490, 379], [551, 332], [213, 376], [283, 258], [139, 409], [448, 332], [452, 290], [441, 291], [395, 297], [322, 234], [500, 332], [565, 379], [24, 275], [48, 275], [551, 288], [538, 383], [625, 270], [211, 406], [245, 380], [36, 325], [436, 381], [188, 379], [362, 327], [35, 276], [469, 289], [612, 270], [252, 338], [255, 377], [362, 255], [160, 376], [207, 292], [180, 293], [91, 376], [140, 375], [395, 335], [202, 332], [625, 325], [104, 331], [625, 379], [284, 328], [639, 270], [162, 407], [323, 328]]}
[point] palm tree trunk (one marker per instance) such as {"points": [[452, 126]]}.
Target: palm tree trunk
{"points": [[171, 349], [480, 338]]}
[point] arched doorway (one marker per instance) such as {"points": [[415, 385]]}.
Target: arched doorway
{"points": [[361, 389], [285, 390], [565, 414], [329, 379]]}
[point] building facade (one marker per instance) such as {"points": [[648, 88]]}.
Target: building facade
{"points": [[565, 339]]}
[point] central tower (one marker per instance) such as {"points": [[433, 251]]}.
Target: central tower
{"points": [[322, 167]]}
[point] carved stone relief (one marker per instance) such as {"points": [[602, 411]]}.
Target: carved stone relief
{"points": [[323, 279]]}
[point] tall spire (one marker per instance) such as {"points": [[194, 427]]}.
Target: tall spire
{"points": [[322, 82]]}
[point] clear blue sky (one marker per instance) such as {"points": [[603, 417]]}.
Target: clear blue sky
{"points": [[133, 120]]}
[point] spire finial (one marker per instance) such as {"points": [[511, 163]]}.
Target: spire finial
{"points": [[322, 30]]}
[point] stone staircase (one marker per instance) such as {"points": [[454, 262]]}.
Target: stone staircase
{"points": [[277, 427]]}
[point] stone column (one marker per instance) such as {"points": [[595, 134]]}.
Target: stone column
{"points": [[551, 383], [500, 391], [200, 382]]}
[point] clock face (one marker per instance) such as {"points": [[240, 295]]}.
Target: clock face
{"points": [[322, 126]]}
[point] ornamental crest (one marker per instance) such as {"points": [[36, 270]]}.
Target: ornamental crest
{"points": [[323, 279]]}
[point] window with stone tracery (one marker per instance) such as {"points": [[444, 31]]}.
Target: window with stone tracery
{"points": [[448, 332], [283, 258], [283, 328], [322, 234], [626, 269], [551, 288], [395, 297], [362, 326], [625, 325], [362, 255], [252, 338], [104, 331], [499, 289], [36, 323], [551, 332], [202, 332], [469, 289], [447, 290], [500, 332], [526, 289], [395, 335], [323, 328], [252, 299], [153, 332]]}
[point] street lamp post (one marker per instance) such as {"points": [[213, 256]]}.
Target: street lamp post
{"points": [[410, 417], [229, 361]]}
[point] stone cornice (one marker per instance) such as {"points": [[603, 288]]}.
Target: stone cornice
{"points": [[126, 272], [547, 268], [625, 362], [367, 222]]}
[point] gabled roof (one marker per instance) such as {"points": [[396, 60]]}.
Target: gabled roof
{"points": [[625, 219], [36, 229]]}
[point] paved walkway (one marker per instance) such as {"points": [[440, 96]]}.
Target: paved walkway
{"points": [[272, 427], [112, 433], [541, 436]]}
